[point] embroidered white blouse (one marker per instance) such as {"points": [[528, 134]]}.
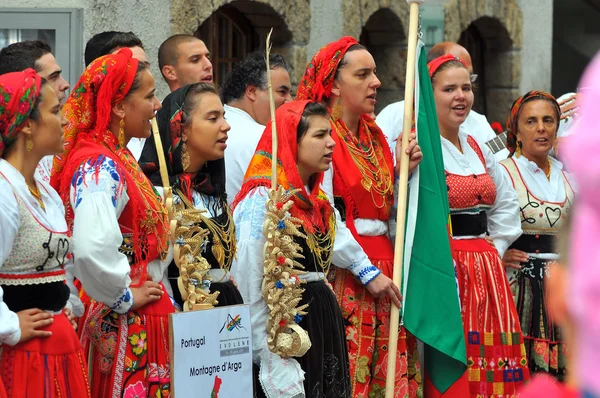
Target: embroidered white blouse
{"points": [[504, 223], [97, 204], [279, 377], [52, 218]]}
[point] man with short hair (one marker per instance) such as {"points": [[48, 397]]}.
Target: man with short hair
{"points": [[110, 42], [34, 54], [391, 118], [183, 60], [247, 110]]}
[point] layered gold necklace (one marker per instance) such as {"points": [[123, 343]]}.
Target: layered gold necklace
{"points": [[376, 178], [321, 247], [223, 236]]}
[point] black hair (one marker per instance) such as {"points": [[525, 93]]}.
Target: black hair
{"points": [[22, 55], [215, 169], [192, 99], [251, 71], [137, 80], [106, 42], [167, 52], [344, 61], [311, 109]]}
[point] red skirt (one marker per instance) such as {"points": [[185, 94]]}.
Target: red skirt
{"points": [[49, 367], [129, 353], [496, 357], [367, 333]]}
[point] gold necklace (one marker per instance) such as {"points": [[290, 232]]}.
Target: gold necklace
{"points": [[375, 178], [223, 236], [549, 169], [36, 194], [321, 247]]}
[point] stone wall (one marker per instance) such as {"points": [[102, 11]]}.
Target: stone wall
{"points": [[188, 15], [148, 19], [500, 24]]}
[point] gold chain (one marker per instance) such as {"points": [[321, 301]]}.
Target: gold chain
{"points": [[374, 181], [549, 169], [320, 244], [223, 236], [36, 194]]}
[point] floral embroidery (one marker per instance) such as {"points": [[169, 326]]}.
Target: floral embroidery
{"points": [[137, 390], [138, 342]]}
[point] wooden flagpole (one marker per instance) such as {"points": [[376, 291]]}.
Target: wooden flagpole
{"points": [[272, 107], [409, 92]]}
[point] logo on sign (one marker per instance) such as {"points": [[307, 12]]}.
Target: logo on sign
{"points": [[232, 323], [234, 338]]}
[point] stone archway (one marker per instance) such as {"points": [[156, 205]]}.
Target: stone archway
{"points": [[384, 36], [288, 17], [498, 25]]}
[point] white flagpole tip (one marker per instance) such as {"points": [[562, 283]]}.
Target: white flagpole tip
{"points": [[415, 1]]}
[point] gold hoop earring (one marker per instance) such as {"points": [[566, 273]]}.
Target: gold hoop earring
{"points": [[121, 136], [185, 157], [29, 144], [336, 110]]}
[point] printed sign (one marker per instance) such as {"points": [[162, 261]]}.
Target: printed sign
{"points": [[211, 353]]}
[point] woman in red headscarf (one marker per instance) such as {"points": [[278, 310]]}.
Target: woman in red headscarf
{"points": [[270, 287], [120, 228], [41, 355], [342, 74], [484, 213]]}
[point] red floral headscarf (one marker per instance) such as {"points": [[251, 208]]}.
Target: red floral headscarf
{"points": [[313, 208], [513, 119], [318, 78], [106, 81], [435, 64], [88, 108], [18, 93]]}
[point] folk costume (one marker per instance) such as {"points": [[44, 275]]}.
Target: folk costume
{"points": [[482, 201], [120, 231], [322, 371], [203, 191], [545, 201], [363, 185], [35, 249]]}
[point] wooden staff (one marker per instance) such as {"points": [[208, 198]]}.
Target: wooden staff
{"points": [[162, 164], [409, 92], [273, 124]]}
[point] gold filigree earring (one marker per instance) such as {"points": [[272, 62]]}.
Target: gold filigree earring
{"points": [[29, 144], [185, 157], [336, 110], [121, 136]]}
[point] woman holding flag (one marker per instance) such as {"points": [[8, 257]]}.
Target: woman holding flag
{"points": [[482, 201], [342, 74]]}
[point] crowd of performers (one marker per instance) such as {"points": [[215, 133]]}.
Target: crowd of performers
{"points": [[89, 275]]}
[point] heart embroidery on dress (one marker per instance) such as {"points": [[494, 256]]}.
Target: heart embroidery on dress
{"points": [[553, 215], [62, 251]]}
